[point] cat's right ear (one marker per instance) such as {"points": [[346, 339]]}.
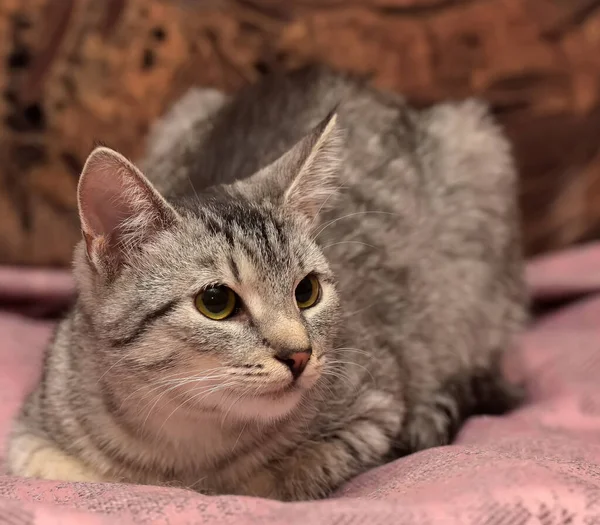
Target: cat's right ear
{"points": [[118, 208], [303, 179]]}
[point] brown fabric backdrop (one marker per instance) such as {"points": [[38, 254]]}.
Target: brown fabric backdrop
{"points": [[77, 71]]}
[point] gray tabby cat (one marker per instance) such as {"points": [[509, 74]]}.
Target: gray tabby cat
{"points": [[291, 297]]}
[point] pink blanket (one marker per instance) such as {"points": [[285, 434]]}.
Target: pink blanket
{"points": [[540, 464]]}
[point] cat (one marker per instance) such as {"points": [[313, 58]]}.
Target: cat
{"points": [[311, 279]]}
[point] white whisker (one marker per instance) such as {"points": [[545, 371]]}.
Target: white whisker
{"points": [[337, 361], [350, 242], [350, 314], [335, 191], [330, 223], [239, 436], [169, 379], [179, 385], [352, 349], [111, 367], [203, 393], [342, 377]]}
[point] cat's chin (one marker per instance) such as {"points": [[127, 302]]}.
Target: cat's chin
{"points": [[270, 404]]}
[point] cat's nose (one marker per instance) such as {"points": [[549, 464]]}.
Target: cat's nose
{"points": [[295, 361]]}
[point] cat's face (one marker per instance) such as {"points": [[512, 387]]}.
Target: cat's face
{"points": [[228, 306], [237, 306]]}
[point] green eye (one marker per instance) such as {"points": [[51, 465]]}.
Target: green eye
{"points": [[216, 303], [308, 292]]}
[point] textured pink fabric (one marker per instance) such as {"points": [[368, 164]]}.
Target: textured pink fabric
{"points": [[540, 464]]}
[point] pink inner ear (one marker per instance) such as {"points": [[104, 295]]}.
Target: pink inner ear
{"points": [[110, 191], [102, 203]]}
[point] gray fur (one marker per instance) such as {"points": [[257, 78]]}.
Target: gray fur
{"points": [[408, 218]]}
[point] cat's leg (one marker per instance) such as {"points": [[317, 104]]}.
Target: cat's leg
{"points": [[35, 457], [434, 419], [318, 466]]}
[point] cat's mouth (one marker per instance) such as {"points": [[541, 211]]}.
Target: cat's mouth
{"points": [[283, 389], [292, 386]]}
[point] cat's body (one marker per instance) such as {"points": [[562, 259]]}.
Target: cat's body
{"points": [[422, 291]]}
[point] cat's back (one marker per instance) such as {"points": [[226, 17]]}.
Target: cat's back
{"points": [[208, 138], [420, 188], [442, 174], [419, 164]]}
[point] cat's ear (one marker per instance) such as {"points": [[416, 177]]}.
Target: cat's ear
{"points": [[118, 208], [318, 158], [305, 179]]}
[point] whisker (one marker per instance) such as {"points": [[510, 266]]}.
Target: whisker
{"points": [[350, 242], [111, 367], [242, 395], [191, 185], [181, 384], [352, 349], [160, 381], [205, 390], [330, 390], [350, 314], [330, 223], [168, 379], [333, 192], [203, 393], [342, 377], [337, 361], [239, 436], [196, 482], [208, 370], [176, 383]]}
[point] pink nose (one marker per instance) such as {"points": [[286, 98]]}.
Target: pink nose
{"points": [[295, 361]]}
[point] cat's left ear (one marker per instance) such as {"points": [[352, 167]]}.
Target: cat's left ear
{"points": [[305, 179]]}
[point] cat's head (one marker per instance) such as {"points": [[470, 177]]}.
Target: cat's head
{"points": [[226, 304]]}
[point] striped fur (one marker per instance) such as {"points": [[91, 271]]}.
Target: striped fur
{"points": [[408, 218]]}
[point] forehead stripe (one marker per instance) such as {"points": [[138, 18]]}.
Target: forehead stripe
{"points": [[146, 322]]}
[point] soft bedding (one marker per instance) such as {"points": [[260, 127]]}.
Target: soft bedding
{"points": [[539, 464]]}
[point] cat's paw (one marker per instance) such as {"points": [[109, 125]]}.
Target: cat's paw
{"points": [[268, 484], [33, 457], [263, 484], [429, 426], [436, 421]]}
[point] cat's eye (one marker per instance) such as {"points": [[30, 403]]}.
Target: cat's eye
{"points": [[216, 302], [308, 292]]}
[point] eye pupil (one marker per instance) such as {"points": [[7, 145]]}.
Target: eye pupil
{"points": [[215, 299], [216, 302], [304, 290], [307, 292]]}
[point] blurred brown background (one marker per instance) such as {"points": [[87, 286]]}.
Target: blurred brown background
{"points": [[77, 71]]}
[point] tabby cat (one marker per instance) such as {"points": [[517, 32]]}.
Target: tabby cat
{"points": [[311, 279]]}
